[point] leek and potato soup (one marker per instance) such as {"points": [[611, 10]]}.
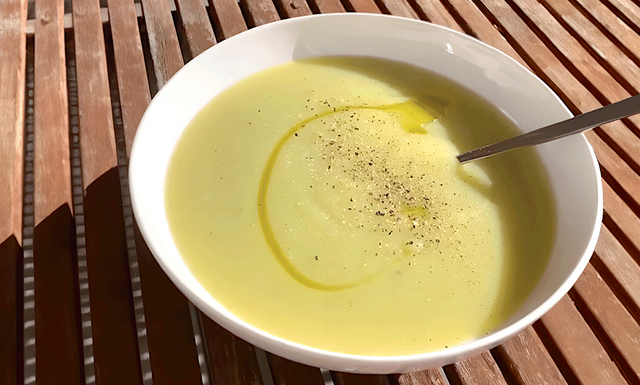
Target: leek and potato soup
{"points": [[322, 202]]}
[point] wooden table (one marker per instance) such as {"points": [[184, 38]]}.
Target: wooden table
{"points": [[83, 301]]}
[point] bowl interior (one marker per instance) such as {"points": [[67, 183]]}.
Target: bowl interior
{"points": [[570, 163]]}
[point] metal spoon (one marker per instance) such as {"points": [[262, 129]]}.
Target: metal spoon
{"points": [[579, 123]]}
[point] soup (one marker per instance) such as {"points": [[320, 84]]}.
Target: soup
{"points": [[321, 201]]}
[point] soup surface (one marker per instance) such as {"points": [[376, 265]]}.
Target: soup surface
{"points": [[321, 201]]}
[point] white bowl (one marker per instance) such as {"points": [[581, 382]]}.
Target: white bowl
{"points": [[570, 163]]}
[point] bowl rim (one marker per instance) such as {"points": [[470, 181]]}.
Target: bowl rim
{"points": [[326, 358]]}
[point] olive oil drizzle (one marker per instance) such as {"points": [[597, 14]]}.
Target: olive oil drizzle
{"points": [[263, 215]]}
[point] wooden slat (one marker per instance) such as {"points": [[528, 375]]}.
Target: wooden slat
{"points": [[438, 14], [228, 17], [232, 360], [591, 70], [113, 323], [483, 28], [329, 6], [163, 41], [13, 19], [358, 379], [293, 8], [56, 307], [425, 377], [133, 86], [620, 331], [260, 11], [399, 8], [527, 360], [166, 324], [287, 372], [607, 50], [583, 356], [196, 25], [564, 83], [481, 369], [613, 25], [622, 215], [366, 6], [629, 9], [613, 259]]}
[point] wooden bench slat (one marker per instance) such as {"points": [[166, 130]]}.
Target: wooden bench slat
{"points": [[399, 8], [438, 14], [232, 360], [481, 369], [594, 297], [293, 8], [55, 301], [576, 54], [484, 29], [163, 41], [228, 17], [329, 6], [581, 351], [133, 86], [359, 379], [286, 372], [611, 256], [114, 337], [622, 215], [425, 377], [606, 49], [363, 6], [628, 9], [528, 361], [563, 82], [172, 349], [260, 11], [13, 21], [196, 25]]}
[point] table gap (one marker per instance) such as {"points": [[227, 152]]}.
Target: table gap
{"points": [[507, 372], [182, 37], [25, 321]]}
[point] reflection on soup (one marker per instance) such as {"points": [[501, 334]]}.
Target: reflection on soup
{"points": [[321, 201]]}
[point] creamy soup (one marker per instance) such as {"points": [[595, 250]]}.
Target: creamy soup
{"points": [[321, 201]]}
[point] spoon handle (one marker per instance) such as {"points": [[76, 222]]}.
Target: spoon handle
{"points": [[579, 123]]}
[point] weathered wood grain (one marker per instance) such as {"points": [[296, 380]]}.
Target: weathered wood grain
{"points": [[438, 14], [163, 41], [232, 360], [112, 317], [607, 315], [260, 11], [228, 17], [364, 6], [425, 377], [581, 351], [612, 257], [293, 8], [341, 378], [286, 372], [329, 6], [398, 8], [481, 369], [528, 361], [13, 20], [133, 86], [196, 25]]}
